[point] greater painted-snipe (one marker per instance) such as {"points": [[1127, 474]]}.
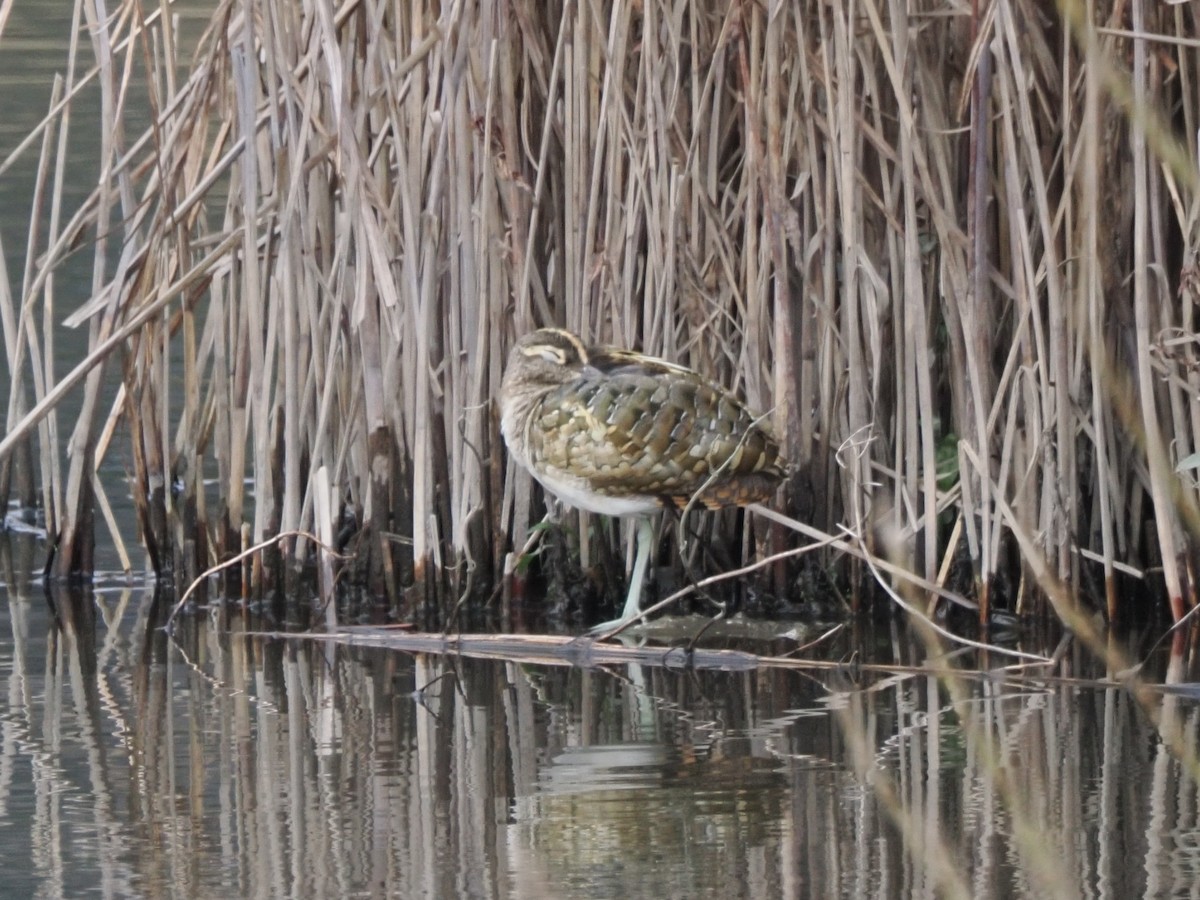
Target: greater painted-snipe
{"points": [[615, 432]]}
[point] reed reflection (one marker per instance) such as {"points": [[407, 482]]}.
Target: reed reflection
{"points": [[225, 761]]}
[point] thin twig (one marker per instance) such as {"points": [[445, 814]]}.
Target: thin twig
{"points": [[212, 570]]}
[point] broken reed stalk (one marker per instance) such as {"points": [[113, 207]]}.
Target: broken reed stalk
{"points": [[315, 259]]}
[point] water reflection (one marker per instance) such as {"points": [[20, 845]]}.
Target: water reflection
{"points": [[232, 764]]}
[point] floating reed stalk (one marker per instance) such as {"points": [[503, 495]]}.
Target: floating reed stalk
{"points": [[922, 239]]}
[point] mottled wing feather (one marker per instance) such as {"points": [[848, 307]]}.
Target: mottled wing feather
{"points": [[649, 428]]}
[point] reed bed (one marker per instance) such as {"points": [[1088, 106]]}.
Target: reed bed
{"points": [[952, 248]]}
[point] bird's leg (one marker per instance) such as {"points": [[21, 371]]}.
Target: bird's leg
{"points": [[645, 540]]}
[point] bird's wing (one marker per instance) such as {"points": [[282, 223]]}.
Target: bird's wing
{"points": [[646, 427]]}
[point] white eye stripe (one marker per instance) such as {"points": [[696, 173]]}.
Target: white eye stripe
{"points": [[546, 352]]}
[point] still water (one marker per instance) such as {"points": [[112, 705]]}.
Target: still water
{"points": [[223, 762]]}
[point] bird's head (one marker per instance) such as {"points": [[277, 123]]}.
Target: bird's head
{"points": [[546, 358]]}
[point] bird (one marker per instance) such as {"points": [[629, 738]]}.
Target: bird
{"points": [[619, 433]]}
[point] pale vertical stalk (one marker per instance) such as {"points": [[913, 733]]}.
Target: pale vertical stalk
{"points": [[253, 303], [810, 497], [288, 285], [323, 519], [630, 235], [553, 89], [916, 340], [158, 342], [170, 55], [978, 315], [494, 284], [1159, 471], [426, 307], [1025, 165], [9, 316], [1190, 223], [191, 463], [843, 117], [1092, 295], [658, 73], [607, 159], [831, 360], [1062, 464], [465, 417], [21, 335], [229, 428], [904, 515], [574, 166], [409, 163], [789, 413], [52, 480], [76, 546], [758, 249]]}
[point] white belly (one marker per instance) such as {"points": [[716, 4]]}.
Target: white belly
{"points": [[574, 492], [569, 489]]}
